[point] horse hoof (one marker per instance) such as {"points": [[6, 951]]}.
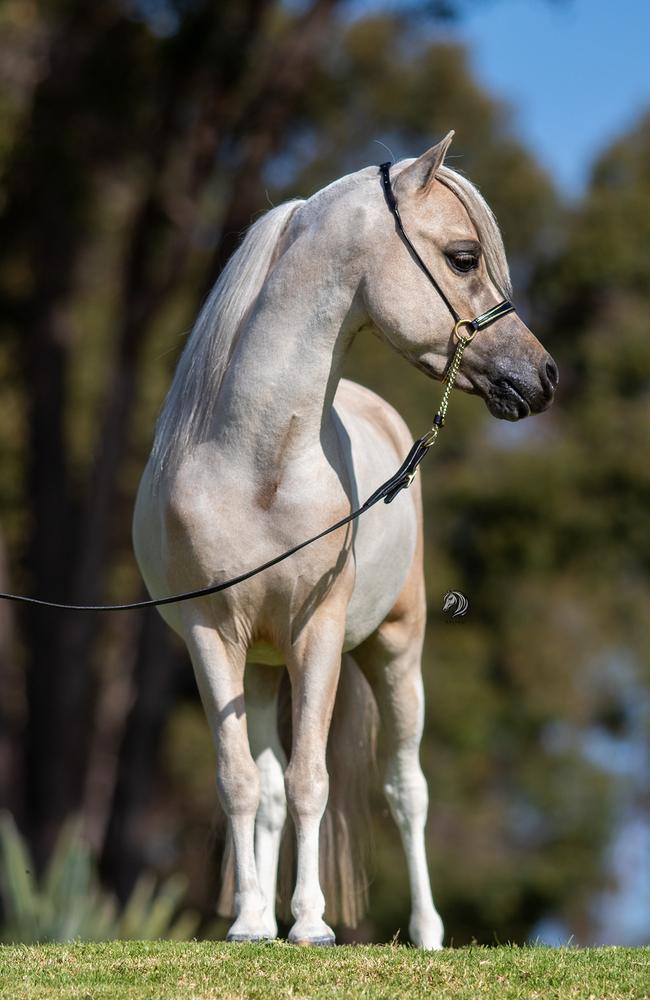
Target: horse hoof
{"points": [[312, 932], [322, 942], [247, 938], [325, 941]]}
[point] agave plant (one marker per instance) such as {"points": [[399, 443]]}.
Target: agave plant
{"points": [[68, 903]]}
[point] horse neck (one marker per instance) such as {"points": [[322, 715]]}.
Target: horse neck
{"points": [[278, 391]]}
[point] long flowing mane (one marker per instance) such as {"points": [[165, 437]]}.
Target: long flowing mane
{"points": [[184, 418]]}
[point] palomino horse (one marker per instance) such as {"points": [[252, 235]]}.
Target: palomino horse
{"points": [[259, 445]]}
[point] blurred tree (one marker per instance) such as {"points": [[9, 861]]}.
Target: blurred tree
{"points": [[550, 543], [550, 540], [132, 135], [137, 141]]}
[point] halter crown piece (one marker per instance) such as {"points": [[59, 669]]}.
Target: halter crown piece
{"points": [[474, 325], [386, 492]]}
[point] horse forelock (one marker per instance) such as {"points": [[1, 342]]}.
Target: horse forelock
{"points": [[486, 225], [483, 219]]}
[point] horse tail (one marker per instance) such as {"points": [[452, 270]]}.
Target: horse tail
{"points": [[345, 834], [345, 839]]}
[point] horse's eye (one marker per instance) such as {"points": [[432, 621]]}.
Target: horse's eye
{"points": [[463, 261]]}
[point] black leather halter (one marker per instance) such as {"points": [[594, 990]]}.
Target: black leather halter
{"points": [[473, 325], [387, 492]]}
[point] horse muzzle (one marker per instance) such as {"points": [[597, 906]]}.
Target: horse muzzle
{"points": [[520, 390]]}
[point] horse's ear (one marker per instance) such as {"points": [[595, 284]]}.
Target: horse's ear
{"points": [[420, 174]]}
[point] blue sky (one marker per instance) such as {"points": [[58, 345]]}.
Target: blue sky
{"points": [[575, 72]]}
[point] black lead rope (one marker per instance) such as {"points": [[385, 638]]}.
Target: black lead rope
{"points": [[387, 492]]}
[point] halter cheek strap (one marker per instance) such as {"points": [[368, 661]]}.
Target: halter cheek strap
{"points": [[472, 325]]}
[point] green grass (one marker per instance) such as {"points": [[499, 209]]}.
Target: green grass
{"points": [[164, 970]]}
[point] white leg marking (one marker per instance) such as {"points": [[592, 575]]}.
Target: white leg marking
{"points": [[406, 790], [261, 709], [220, 679], [314, 677]]}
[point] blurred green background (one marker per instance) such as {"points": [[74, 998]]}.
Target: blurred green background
{"points": [[137, 141]]}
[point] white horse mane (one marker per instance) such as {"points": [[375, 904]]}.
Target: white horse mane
{"points": [[185, 415]]}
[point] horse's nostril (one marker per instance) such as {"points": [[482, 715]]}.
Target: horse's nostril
{"points": [[552, 373]]}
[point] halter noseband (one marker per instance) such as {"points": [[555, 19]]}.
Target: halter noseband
{"points": [[473, 325]]}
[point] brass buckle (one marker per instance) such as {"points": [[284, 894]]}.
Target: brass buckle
{"points": [[465, 337]]}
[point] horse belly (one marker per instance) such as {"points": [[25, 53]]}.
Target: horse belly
{"points": [[384, 548]]}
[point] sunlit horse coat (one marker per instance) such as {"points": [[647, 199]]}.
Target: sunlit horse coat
{"points": [[259, 445]]}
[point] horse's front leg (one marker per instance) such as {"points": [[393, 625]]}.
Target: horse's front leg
{"points": [[219, 673], [262, 683], [314, 670]]}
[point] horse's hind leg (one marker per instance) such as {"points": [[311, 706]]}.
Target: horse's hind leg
{"points": [[220, 677], [262, 683], [391, 660]]}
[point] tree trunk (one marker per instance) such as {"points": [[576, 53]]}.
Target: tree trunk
{"points": [[12, 697], [156, 680]]}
